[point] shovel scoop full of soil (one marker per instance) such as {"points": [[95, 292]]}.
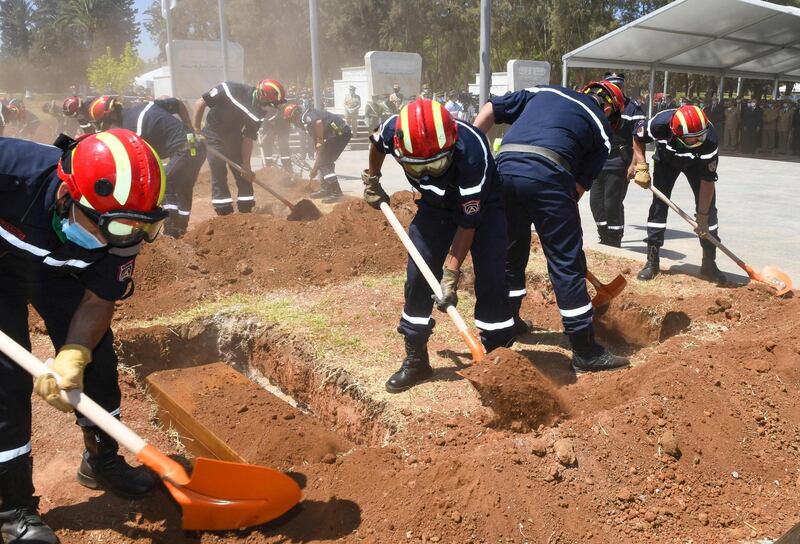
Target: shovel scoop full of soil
{"points": [[305, 210], [520, 396]]}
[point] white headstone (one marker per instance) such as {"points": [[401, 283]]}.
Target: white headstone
{"points": [[523, 74], [198, 66], [387, 68]]}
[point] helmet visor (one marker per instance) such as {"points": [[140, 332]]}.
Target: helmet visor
{"points": [[433, 167], [125, 228], [694, 140]]}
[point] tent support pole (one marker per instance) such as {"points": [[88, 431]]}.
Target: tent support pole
{"points": [[650, 91]]}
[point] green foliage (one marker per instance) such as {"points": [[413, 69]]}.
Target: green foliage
{"points": [[15, 22], [115, 72]]}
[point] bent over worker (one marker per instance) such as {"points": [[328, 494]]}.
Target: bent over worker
{"points": [[686, 143], [155, 122], [557, 144], [460, 210], [71, 222]]}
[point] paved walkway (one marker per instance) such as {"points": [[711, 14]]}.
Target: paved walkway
{"points": [[758, 202]]}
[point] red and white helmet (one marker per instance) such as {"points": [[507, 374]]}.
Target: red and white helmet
{"points": [[290, 110], [690, 125], [71, 106], [270, 91], [117, 179], [424, 137], [610, 95], [103, 107]]}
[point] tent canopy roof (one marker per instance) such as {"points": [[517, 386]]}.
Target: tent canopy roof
{"points": [[734, 38]]}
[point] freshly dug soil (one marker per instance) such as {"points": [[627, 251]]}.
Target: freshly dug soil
{"points": [[520, 396], [304, 210]]}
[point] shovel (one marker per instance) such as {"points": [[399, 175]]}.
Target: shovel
{"points": [[770, 275], [305, 210], [218, 496], [475, 347], [605, 292]]}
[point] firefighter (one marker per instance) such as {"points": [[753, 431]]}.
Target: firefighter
{"points": [[77, 108], [609, 190], [460, 210], [275, 132], [171, 138], [235, 115], [557, 144], [64, 124], [330, 135], [686, 143], [70, 229], [26, 121]]}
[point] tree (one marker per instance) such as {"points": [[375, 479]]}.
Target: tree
{"points": [[15, 27], [116, 72], [100, 23]]}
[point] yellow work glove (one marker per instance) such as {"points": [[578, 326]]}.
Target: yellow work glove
{"points": [[642, 177], [69, 364], [449, 286]]}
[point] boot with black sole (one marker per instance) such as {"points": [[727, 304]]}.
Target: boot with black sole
{"points": [[19, 509], [589, 356], [650, 269], [415, 369], [334, 193], [24, 526], [103, 468], [708, 268]]}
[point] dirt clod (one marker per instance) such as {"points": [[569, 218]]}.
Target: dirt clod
{"points": [[565, 452], [669, 444]]}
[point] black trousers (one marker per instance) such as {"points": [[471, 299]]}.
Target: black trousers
{"points": [[432, 232], [221, 200], [182, 171], [277, 137], [606, 201], [547, 199], [55, 297], [329, 152], [664, 177]]}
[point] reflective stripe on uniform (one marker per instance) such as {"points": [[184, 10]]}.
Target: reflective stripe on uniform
{"points": [[615, 227], [477, 189], [517, 293], [416, 320], [576, 311], [657, 225], [432, 188], [222, 201], [596, 119], [483, 325], [239, 104], [39, 252], [601, 223], [245, 198], [8, 455], [75, 263], [140, 120]]}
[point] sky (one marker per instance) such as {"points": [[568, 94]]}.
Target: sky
{"points": [[148, 49]]}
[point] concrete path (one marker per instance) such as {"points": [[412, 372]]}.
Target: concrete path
{"points": [[758, 202]]}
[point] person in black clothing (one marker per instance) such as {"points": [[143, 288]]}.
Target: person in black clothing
{"points": [[155, 122], [752, 117], [330, 134], [234, 117], [609, 190]]}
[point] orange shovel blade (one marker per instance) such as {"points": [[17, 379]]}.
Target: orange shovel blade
{"points": [[776, 278], [221, 495], [604, 293]]}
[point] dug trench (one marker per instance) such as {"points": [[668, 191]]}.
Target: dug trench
{"points": [[699, 440]]}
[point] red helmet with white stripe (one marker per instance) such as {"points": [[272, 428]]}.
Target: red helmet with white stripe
{"points": [[269, 92], [424, 137], [118, 181], [611, 98], [690, 125], [71, 106], [104, 108]]}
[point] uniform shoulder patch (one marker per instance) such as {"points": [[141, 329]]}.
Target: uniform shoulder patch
{"points": [[471, 207], [125, 271], [213, 92]]}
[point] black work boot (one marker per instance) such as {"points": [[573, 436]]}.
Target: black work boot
{"points": [[415, 369], [103, 468], [589, 356], [522, 326], [708, 268], [602, 233], [24, 526], [334, 193], [614, 237], [650, 269]]}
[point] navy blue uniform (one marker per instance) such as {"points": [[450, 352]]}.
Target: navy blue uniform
{"points": [[156, 124], [233, 114], [275, 133], [38, 268], [542, 191], [84, 119], [609, 190], [669, 161], [336, 136], [468, 195]]}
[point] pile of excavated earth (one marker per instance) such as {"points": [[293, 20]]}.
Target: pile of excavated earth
{"points": [[268, 341]]}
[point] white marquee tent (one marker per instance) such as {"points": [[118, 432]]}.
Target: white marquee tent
{"points": [[726, 38]]}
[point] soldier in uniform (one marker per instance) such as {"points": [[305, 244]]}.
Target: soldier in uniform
{"points": [[769, 127], [373, 113], [733, 118], [785, 115], [396, 98], [352, 105]]}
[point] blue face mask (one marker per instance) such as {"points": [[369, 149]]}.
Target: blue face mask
{"points": [[77, 234]]}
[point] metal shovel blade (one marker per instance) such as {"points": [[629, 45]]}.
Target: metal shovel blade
{"points": [[777, 279], [221, 495]]}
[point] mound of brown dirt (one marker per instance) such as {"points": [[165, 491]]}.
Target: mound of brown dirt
{"points": [[245, 253], [521, 397]]}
